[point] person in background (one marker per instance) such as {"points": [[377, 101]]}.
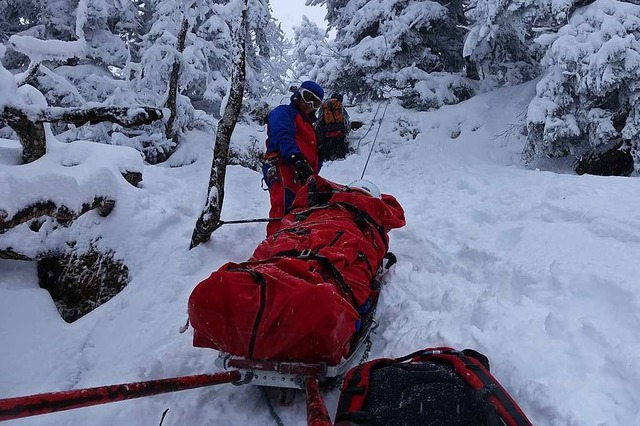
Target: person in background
{"points": [[292, 151], [332, 127]]}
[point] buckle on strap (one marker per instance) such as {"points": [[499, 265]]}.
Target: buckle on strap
{"points": [[305, 253]]}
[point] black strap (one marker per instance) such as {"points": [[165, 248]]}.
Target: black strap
{"points": [[357, 383], [492, 387], [366, 217], [392, 259], [258, 278], [327, 265]]}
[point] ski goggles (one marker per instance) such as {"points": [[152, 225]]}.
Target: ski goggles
{"points": [[311, 98]]}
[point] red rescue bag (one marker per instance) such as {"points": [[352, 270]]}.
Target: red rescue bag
{"points": [[297, 298]]}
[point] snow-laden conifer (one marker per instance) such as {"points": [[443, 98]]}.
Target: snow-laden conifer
{"points": [[405, 47], [311, 51], [501, 38], [267, 57], [589, 95]]}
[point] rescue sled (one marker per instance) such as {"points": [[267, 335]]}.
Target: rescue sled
{"points": [[304, 304]]}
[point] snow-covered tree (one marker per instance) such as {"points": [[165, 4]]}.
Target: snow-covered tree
{"points": [[103, 27], [311, 51], [187, 47], [590, 94], [17, 16], [501, 39], [210, 216], [267, 58], [397, 45], [160, 53], [108, 26], [58, 18]]}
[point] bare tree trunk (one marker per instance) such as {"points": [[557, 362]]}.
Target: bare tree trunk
{"points": [[174, 79], [27, 122], [210, 215], [472, 69]]}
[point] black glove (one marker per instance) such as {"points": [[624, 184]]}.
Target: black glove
{"points": [[301, 168]]}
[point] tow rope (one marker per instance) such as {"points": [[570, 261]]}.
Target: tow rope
{"points": [[375, 137], [373, 120], [231, 222], [272, 410]]}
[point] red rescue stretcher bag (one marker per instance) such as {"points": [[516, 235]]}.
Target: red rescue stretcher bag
{"points": [[300, 296]]}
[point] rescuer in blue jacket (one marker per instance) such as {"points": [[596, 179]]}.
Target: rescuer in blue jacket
{"points": [[292, 150]]}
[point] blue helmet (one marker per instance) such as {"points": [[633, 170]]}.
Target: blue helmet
{"points": [[314, 87]]}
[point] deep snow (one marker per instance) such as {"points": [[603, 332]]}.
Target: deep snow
{"points": [[536, 269]]}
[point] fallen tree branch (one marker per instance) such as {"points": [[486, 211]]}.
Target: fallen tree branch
{"points": [[64, 215], [124, 116], [9, 254], [28, 121]]}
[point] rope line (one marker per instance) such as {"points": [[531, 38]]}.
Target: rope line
{"points": [[272, 410], [373, 120], [375, 138]]}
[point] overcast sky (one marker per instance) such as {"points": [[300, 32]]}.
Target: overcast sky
{"points": [[290, 12]]}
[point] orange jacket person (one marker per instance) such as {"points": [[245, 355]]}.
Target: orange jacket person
{"points": [[292, 150]]}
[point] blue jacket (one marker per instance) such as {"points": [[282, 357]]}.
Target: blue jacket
{"points": [[289, 132]]}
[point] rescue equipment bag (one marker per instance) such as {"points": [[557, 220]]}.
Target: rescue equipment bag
{"points": [[299, 298], [435, 386], [334, 123]]}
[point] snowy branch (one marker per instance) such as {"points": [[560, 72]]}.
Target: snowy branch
{"points": [[123, 116], [64, 215], [27, 122]]}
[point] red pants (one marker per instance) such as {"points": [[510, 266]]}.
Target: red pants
{"points": [[282, 192]]}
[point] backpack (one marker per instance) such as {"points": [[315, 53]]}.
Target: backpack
{"points": [[333, 119], [436, 387]]}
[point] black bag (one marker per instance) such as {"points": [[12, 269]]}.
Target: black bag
{"points": [[436, 387]]}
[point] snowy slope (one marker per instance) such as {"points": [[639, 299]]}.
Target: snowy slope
{"points": [[535, 269]]}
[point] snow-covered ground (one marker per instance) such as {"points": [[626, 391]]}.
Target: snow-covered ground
{"points": [[538, 270]]}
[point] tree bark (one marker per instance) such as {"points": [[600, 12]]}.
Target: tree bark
{"points": [[123, 116], [27, 122], [30, 133], [472, 69], [174, 79], [9, 254], [210, 216]]}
